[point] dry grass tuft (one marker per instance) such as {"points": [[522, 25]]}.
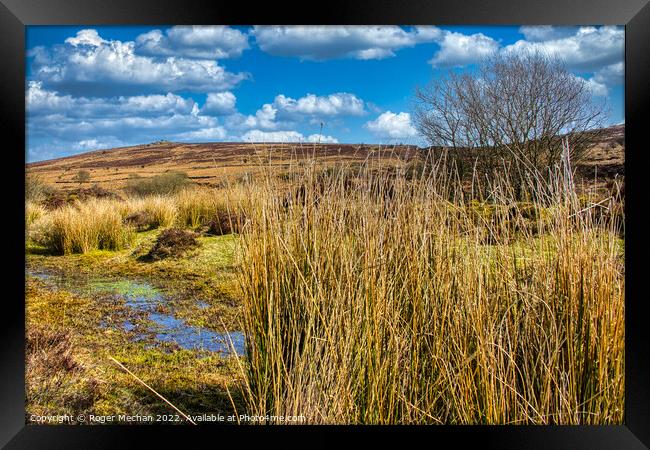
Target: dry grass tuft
{"points": [[84, 227]]}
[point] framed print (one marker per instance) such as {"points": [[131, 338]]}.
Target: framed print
{"points": [[385, 219]]}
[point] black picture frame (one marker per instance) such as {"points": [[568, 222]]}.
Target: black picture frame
{"points": [[15, 15]]}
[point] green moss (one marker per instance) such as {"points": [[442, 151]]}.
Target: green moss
{"points": [[194, 381]]}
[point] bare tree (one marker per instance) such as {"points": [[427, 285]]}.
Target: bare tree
{"points": [[514, 106]]}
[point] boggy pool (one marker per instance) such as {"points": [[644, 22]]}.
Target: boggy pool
{"points": [[152, 303]]}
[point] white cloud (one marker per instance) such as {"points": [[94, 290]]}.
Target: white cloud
{"points": [[284, 136], [42, 101], [219, 103], [272, 136], [285, 111], [263, 118], [90, 65], [458, 50], [597, 88], [391, 125], [588, 48], [86, 37], [83, 122], [204, 134], [203, 42], [97, 144], [612, 74], [39, 100], [322, 139], [325, 42], [537, 33], [340, 103]]}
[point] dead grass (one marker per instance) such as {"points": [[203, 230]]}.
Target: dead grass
{"points": [[387, 304], [83, 227]]}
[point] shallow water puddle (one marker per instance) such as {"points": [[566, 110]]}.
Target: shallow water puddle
{"points": [[152, 303]]}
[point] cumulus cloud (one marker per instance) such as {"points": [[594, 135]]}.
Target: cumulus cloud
{"points": [[82, 123], [219, 103], [597, 88], [458, 50], [263, 118], [86, 37], [326, 42], [203, 42], [287, 112], [588, 48], [90, 65], [319, 138], [393, 126], [599, 50], [538, 33], [42, 101], [204, 134], [284, 136], [340, 103], [611, 75]]}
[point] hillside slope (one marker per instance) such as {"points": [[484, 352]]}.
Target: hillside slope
{"points": [[211, 163]]}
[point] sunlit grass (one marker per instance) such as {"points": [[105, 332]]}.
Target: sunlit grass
{"points": [[393, 302]]}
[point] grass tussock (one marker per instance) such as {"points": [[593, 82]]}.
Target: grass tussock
{"points": [[33, 212], [148, 213], [84, 227], [217, 212], [399, 301]]}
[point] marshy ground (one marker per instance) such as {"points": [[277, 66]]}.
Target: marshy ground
{"points": [[173, 322]]}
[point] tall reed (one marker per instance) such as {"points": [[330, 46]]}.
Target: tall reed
{"points": [[369, 298]]}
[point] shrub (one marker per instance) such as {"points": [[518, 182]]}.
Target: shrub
{"points": [[141, 221], [55, 200], [95, 191], [163, 184], [83, 176], [172, 242]]}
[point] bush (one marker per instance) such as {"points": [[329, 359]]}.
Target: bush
{"points": [[173, 242], [55, 200], [93, 192], [83, 176], [163, 184], [141, 221]]}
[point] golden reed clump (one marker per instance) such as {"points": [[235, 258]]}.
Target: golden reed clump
{"points": [[372, 298]]}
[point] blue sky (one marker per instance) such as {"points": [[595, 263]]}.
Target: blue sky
{"points": [[101, 87]]}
